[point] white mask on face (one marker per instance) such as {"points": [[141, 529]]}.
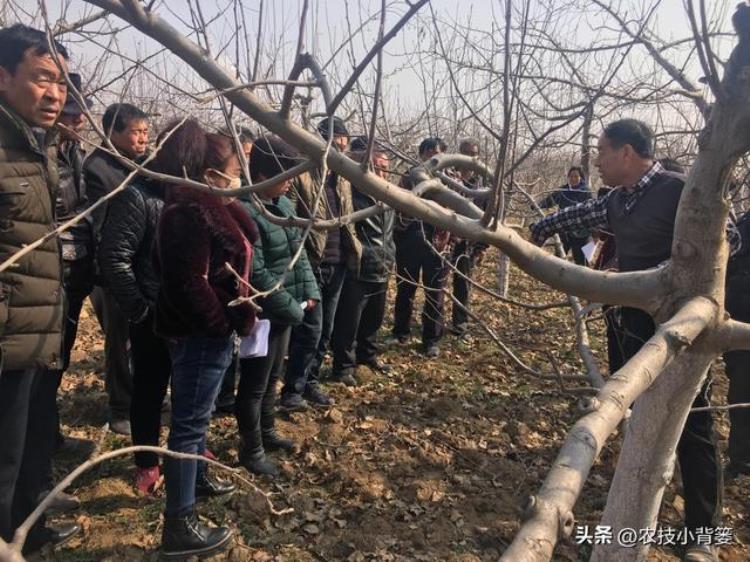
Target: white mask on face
{"points": [[234, 182]]}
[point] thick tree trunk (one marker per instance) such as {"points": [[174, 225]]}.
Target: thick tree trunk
{"points": [[647, 459]]}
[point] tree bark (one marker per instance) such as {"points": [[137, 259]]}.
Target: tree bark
{"points": [[647, 460]]}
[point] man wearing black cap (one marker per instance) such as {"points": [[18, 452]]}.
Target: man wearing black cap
{"points": [[77, 255], [331, 253], [77, 241]]}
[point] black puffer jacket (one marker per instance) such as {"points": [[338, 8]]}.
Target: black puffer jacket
{"points": [[376, 235], [126, 247]]}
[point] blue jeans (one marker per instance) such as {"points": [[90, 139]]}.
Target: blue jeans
{"points": [[198, 366]]}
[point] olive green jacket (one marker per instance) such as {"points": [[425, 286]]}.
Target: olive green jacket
{"points": [[31, 304], [303, 195]]}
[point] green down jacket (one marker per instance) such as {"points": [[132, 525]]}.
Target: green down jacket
{"points": [[31, 305], [272, 253]]}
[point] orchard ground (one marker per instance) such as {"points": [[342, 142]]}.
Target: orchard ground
{"points": [[429, 462]]}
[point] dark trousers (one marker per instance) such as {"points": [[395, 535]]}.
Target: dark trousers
{"points": [[228, 385], [309, 340], [151, 369], [26, 398], [575, 245], [738, 372], [198, 365], [118, 378], [415, 259], [697, 453], [256, 393], [78, 282], [614, 330], [78, 278], [303, 350], [360, 315], [463, 261]]}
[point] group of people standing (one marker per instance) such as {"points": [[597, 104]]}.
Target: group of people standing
{"points": [[181, 278], [189, 276]]}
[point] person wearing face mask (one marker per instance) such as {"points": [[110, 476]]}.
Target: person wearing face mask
{"points": [[127, 128], [199, 233], [126, 264], [290, 294]]}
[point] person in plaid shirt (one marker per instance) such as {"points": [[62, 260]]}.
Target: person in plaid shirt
{"points": [[640, 212]]}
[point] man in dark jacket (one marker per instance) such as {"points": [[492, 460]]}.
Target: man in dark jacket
{"points": [[363, 297], [127, 127], [640, 212], [127, 267], [419, 248], [77, 242], [738, 362], [331, 253], [77, 254], [32, 95]]}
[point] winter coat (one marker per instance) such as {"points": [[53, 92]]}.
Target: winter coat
{"points": [[566, 196], [303, 195], [31, 306], [376, 235], [102, 173], [273, 251], [126, 248], [77, 241], [198, 234]]}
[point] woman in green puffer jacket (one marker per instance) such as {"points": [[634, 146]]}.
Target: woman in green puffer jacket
{"points": [[290, 292]]}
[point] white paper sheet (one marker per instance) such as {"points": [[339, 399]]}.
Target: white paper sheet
{"points": [[256, 344], [589, 250]]}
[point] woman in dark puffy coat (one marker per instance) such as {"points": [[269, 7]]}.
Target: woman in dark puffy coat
{"points": [[289, 293], [572, 193], [200, 235]]}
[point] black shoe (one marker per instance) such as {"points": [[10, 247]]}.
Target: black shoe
{"points": [[293, 402], [208, 487], [314, 395], [432, 350], [272, 441], [224, 409], [62, 503], [74, 445], [459, 329], [184, 537], [397, 339], [376, 365], [258, 463], [344, 378], [44, 536]]}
